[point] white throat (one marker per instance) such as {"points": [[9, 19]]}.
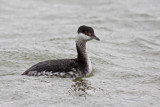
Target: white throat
{"points": [[82, 37], [89, 66]]}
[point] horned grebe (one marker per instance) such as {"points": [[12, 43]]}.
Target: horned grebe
{"points": [[78, 67]]}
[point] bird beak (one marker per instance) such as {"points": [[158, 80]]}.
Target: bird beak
{"points": [[95, 37]]}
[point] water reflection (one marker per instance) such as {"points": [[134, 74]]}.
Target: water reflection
{"points": [[80, 87]]}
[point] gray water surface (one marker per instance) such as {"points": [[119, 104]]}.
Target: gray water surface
{"points": [[126, 62]]}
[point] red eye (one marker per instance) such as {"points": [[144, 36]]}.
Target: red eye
{"points": [[86, 33]]}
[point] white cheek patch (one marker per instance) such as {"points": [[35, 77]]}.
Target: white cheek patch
{"points": [[81, 37]]}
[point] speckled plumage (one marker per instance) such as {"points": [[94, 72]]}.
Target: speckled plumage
{"points": [[55, 68]]}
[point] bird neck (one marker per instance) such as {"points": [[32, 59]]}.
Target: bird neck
{"points": [[83, 58], [81, 52]]}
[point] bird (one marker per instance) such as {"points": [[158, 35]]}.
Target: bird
{"points": [[68, 68]]}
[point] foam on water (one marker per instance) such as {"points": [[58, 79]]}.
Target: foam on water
{"points": [[125, 62]]}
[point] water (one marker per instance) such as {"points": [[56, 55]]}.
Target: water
{"points": [[126, 61]]}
